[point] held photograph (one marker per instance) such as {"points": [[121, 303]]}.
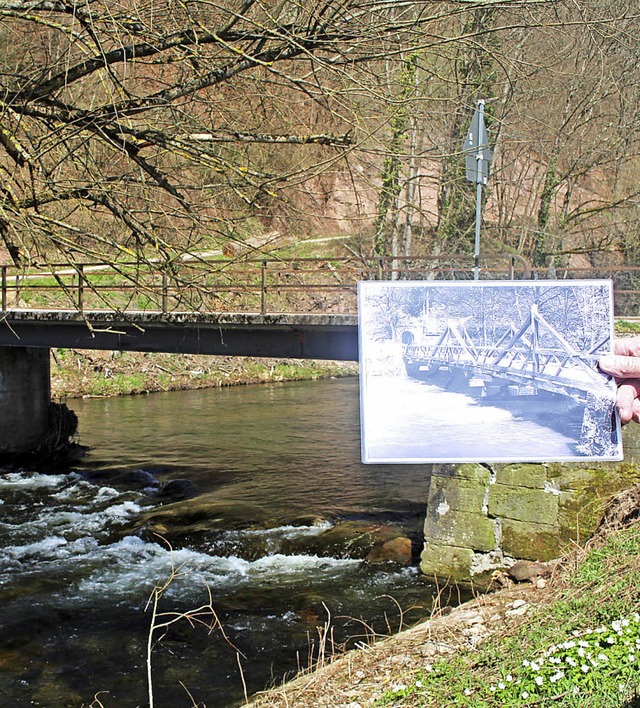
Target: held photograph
{"points": [[486, 371]]}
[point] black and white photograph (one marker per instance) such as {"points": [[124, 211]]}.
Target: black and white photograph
{"points": [[486, 371]]}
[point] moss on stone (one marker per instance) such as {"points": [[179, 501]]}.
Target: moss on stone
{"points": [[444, 561], [467, 530], [530, 541], [456, 494], [522, 475], [523, 504]]}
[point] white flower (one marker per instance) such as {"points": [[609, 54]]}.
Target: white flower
{"points": [[616, 625], [584, 668], [571, 661], [582, 643], [611, 640], [418, 684], [580, 652], [509, 677], [539, 680], [632, 657], [603, 657], [525, 662], [534, 666], [556, 677], [501, 685], [467, 691], [525, 694]]}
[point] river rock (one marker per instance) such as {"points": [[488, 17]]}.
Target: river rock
{"points": [[201, 514], [529, 570], [351, 539], [176, 490], [398, 551]]}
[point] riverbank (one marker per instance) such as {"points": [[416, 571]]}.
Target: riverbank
{"points": [[568, 641], [93, 373], [412, 668]]}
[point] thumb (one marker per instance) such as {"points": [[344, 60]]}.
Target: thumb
{"points": [[624, 367]]}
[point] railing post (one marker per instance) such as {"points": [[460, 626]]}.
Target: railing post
{"points": [[263, 288], [80, 288], [165, 292], [4, 288]]}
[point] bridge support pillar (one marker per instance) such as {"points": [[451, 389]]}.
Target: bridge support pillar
{"points": [[24, 399]]}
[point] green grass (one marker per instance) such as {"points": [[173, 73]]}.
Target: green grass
{"points": [[626, 327], [580, 649]]}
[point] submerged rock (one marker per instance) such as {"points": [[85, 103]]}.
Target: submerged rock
{"points": [[200, 515], [354, 539], [176, 490]]}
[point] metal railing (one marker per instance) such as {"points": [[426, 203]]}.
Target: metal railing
{"points": [[264, 285]]}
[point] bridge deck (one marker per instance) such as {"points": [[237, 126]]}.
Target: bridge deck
{"points": [[283, 335]]}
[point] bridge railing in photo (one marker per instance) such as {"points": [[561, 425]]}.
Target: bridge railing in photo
{"points": [[266, 285]]}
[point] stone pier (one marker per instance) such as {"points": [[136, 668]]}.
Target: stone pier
{"points": [[481, 518], [24, 399]]}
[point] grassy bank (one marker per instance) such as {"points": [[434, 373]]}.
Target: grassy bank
{"points": [[89, 373], [575, 642]]}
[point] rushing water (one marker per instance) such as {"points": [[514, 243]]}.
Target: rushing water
{"points": [[76, 573]]}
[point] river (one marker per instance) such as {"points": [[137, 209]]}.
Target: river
{"points": [[76, 573], [282, 463]]}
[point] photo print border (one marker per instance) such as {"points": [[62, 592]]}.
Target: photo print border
{"points": [[486, 371]]}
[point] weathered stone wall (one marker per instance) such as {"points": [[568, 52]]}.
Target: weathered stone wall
{"points": [[481, 518], [24, 398]]}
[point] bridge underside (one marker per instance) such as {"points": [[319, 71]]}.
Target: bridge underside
{"points": [[306, 336]]}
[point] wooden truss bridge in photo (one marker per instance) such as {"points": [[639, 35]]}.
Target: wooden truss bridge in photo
{"points": [[534, 357]]}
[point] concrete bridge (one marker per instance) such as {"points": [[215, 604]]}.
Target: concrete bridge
{"points": [[197, 304], [26, 337], [272, 307]]}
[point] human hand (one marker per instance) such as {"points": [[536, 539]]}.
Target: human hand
{"points": [[624, 366]]}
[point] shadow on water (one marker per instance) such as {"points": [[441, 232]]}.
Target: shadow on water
{"points": [[561, 414]]}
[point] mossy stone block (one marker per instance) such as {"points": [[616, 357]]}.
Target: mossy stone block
{"points": [[523, 504], [446, 493], [471, 472], [461, 528], [443, 561], [530, 541], [524, 475]]}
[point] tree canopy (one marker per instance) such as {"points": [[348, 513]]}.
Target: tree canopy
{"points": [[150, 128]]}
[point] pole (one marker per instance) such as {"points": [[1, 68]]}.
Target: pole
{"points": [[478, 156], [476, 248]]}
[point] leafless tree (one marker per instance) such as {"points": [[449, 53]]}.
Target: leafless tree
{"points": [[150, 128]]}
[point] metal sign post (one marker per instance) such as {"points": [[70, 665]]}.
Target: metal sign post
{"points": [[476, 145]]}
